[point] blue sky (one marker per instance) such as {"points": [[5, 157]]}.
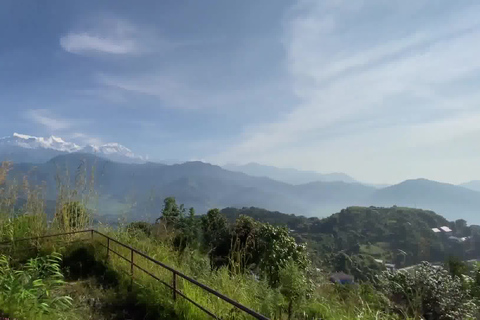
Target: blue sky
{"points": [[382, 90]]}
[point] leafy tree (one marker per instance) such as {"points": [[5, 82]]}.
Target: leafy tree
{"points": [[187, 231], [276, 247], [461, 227], [216, 236], [244, 253], [171, 212]]}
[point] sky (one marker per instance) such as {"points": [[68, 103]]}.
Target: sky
{"points": [[382, 90]]}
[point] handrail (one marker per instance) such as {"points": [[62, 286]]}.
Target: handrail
{"points": [[45, 236], [175, 273]]}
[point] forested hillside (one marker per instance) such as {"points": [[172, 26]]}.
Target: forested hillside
{"points": [[397, 235]]}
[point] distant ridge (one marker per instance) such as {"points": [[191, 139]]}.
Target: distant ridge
{"points": [[472, 185], [292, 176], [205, 186]]}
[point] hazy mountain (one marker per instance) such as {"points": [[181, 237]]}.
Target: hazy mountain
{"points": [[292, 176], [449, 200], [472, 185], [143, 187], [25, 148]]}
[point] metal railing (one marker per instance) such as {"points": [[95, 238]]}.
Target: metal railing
{"points": [[175, 273]]}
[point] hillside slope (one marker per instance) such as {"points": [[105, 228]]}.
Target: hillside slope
{"points": [[472, 185], [383, 233]]}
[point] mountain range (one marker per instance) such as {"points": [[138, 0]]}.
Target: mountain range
{"points": [[138, 188], [25, 148]]}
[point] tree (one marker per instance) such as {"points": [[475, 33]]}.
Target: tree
{"points": [[216, 236], [171, 212], [276, 247], [461, 227], [187, 231], [243, 253]]}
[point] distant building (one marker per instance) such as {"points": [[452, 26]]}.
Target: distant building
{"points": [[455, 239], [446, 229], [436, 230], [341, 278]]}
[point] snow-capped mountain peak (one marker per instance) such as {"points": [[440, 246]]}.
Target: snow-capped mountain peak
{"points": [[113, 151], [31, 142]]}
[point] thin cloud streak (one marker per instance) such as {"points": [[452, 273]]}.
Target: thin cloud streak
{"points": [[83, 43], [46, 119]]}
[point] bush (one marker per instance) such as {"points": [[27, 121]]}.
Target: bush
{"points": [[428, 291], [29, 291]]}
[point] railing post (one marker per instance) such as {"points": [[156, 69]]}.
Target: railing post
{"points": [[131, 269], [174, 285], [108, 247], [91, 233]]}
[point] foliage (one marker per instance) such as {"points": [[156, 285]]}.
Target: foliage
{"points": [[216, 237], [140, 226], [73, 216], [456, 267], [277, 248], [171, 212], [294, 286], [188, 231], [428, 291], [397, 235], [30, 291]]}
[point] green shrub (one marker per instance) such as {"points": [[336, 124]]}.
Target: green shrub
{"points": [[428, 291], [30, 291]]}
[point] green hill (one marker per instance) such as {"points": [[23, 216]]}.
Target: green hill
{"points": [[398, 235]]}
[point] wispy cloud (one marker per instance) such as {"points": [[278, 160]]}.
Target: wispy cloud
{"points": [[370, 76], [86, 139], [48, 120], [85, 43], [113, 35], [175, 91]]}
